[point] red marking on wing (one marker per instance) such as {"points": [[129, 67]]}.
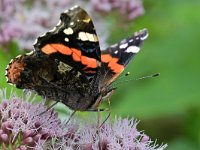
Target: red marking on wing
{"points": [[89, 62], [53, 48], [48, 49], [112, 63], [76, 54], [62, 49], [117, 68], [76, 57], [106, 58]]}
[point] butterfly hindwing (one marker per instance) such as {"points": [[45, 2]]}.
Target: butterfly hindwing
{"points": [[73, 41], [115, 58]]}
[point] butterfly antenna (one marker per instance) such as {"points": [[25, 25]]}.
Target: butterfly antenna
{"points": [[135, 79], [149, 76]]}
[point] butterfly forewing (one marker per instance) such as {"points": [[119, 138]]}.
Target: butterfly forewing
{"points": [[73, 41], [115, 58]]}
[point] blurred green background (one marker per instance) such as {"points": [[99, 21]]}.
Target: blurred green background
{"points": [[169, 105]]}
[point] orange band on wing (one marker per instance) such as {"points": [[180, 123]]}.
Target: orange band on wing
{"points": [[89, 62], [76, 54], [76, 57], [117, 68], [105, 58], [62, 49], [112, 63], [48, 49], [53, 48]]}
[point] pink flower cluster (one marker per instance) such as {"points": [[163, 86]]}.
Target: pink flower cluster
{"points": [[130, 8], [23, 125], [23, 21]]}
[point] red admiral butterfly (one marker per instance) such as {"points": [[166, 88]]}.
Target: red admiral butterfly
{"points": [[68, 66]]}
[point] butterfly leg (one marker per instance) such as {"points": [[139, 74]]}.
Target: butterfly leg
{"points": [[72, 114], [109, 114], [99, 110], [49, 108]]}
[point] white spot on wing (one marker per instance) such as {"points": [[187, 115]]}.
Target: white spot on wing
{"points": [[66, 39], [36, 40], [144, 37], [7, 67], [11, 83], [6, 73], [43, 35], [87, 37], [123, 46], [59, 23], [66, 11], [11, 61], [83, 36], [18, 56], [116, 52], [30, 53], [95, 38], [76, 6], [131, 40], [132, 49], [71, 23], [52, 30], [68, 31], [114, 45], [90, 36]]}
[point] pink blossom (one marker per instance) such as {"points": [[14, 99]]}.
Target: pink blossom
{"points": [[26, 124], [22, 123], [23, 21]]}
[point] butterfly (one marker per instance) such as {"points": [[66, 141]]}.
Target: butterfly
{"points": [[68, 66]]}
